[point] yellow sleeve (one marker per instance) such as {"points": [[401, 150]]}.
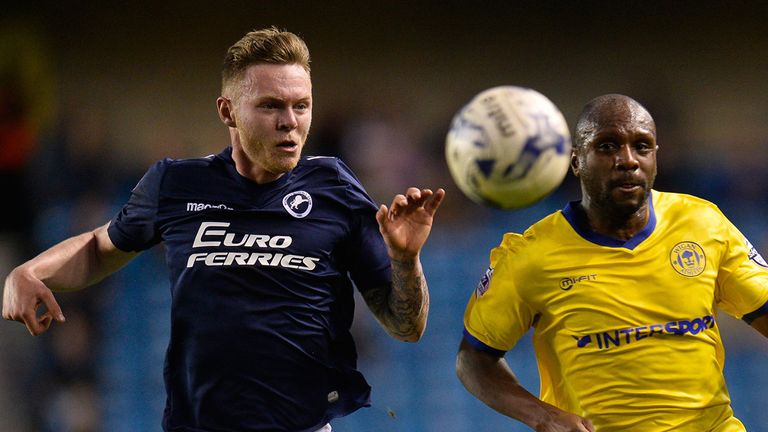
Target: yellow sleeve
{"points": [[742, 282], [497, 315]]}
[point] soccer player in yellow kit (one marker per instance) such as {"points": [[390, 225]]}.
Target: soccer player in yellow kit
{"points": [[622, 290]]}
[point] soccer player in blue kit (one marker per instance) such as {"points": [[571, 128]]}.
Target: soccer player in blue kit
{"points": [[264, 248], [621, 289]]}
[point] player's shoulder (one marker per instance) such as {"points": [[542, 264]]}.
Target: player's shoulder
{"points": [[335, 178], [194, 173], [681, 204], [328, 164], [540, 234], [192, 167], [160, 170], [188, 163], [548, 228], [330, 167]]}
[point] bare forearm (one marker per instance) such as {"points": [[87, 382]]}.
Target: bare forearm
{"points": [[761, 325], [409, 300], [72, 264], [402, 309], [77, 262], [491, 380]]}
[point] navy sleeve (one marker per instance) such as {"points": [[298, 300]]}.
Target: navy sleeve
{"points": [[134, 227], [370, 265]]}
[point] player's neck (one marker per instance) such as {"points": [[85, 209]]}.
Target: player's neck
{"points": [[615, 223], [251, 170]]}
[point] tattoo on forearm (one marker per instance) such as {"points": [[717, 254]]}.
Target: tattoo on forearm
{"points": [[403, 307]]}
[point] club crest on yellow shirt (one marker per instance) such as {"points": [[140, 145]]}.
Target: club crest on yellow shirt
{"points": [[688, 259]]}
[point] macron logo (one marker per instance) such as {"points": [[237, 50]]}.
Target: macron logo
{"points": [[191, 206]]}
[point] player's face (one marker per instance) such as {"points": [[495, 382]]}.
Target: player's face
{"points": [[272, 114], [617, 162]]}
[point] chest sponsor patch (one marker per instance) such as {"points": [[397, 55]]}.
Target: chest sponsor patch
{"points": [[626, 336]]}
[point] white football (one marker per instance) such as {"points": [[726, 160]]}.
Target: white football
{"points": [[509, 147]]}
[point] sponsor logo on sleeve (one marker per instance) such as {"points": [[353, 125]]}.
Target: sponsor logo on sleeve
{"points": [[755, 256], [485, 283]]}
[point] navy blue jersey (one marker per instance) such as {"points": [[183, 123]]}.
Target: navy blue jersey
{"points": [[261, 282]]}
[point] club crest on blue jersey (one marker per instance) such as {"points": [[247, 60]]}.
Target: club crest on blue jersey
{"points": [[688, 259], [298, 204], [484, 283], [755, 256]]}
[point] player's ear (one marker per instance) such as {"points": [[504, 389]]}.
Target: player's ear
{"points": [[575, 163], [226, 110]]}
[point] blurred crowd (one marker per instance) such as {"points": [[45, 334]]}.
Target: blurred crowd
{"points": [[61, 174]]}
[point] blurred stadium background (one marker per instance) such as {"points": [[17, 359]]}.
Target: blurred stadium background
{"points": [[91, 93]]}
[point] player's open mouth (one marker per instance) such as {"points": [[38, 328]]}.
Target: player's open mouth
{"points": [[629, 187], [287, 145]]}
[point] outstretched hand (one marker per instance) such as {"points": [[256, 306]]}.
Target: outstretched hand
{"points": [[405, 226]]}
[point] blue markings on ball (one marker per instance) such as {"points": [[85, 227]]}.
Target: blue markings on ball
{"points": [[485, 166], [543, 139]]}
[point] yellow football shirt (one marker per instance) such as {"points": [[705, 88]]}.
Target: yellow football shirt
{"points": [[625, 333]]}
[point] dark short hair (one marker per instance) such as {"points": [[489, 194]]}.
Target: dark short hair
{"points": [[585, 122]]}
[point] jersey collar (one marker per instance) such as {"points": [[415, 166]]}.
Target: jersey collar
{"points": [[229, 162], [578, 221]]}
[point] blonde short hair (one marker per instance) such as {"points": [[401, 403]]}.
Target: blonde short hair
{"points": [[268, 45]]}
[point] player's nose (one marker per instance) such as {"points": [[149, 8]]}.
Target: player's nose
{"points": [[287, 120], [626, 158]]}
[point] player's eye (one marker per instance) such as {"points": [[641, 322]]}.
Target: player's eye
{"points": [[606, 146], [643, 147], [271, 104]]}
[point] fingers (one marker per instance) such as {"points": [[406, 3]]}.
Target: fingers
{"points": [[399, 203], [381, 215], [35, 324], [419, 198], [587, 425], [53, 306], [22, 298], [40, 324], [432, 205], [413, 194]]}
